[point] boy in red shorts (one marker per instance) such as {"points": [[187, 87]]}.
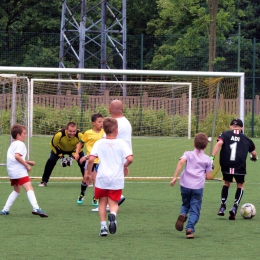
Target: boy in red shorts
{"points": [[18, 168], [115, 157]]}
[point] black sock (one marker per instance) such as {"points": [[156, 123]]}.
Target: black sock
{"points": [[83, 188], [238, 197], [224, 196]]}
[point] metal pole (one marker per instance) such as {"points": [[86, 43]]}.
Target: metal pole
{"points": [[253, 89]]}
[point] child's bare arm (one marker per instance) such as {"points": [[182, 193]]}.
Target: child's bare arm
{"points": [[179, 166], [20, 159]]}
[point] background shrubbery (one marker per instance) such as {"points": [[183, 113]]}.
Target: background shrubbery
{"points": [[145, 122]]}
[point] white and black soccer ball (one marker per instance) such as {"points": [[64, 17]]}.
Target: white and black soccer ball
{"points": [[248, 211]]}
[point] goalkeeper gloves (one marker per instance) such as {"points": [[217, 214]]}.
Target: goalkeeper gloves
{"points": [[212, 160], [63, 161], [253, 159], [69, 161]]}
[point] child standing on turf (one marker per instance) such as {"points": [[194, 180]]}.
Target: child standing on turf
{"points": [[90, 137], [192, 180], [115, 157], [18, 168]]}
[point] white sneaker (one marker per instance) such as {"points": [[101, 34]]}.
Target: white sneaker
{"points": [[97, 209]]}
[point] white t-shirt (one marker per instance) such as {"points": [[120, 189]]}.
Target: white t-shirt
{"points": [[112, 154], [15, 169], [124, 130]]}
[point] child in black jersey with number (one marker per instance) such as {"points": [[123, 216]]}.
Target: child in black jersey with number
{"points": [[234, 147]]}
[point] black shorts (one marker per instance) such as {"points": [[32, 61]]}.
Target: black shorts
{"points": [[229, 177]]}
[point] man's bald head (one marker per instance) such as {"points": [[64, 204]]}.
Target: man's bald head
{"points": [[116, 108]]}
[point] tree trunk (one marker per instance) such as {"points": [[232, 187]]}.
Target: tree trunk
{"points": [[213, 10]]}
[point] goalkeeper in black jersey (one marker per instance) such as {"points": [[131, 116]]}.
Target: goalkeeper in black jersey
{"points": [[64, 142], [235, 147]]}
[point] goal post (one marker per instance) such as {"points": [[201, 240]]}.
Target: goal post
{"points": [[166, 109]]}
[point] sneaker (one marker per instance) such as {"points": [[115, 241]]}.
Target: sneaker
{"points": [[80, 199], [4, 212], [180, 222], [94, 202], [97, 209], [103, 232], [189, 234], [232, 213], [112, 223], [221, 211], [40, 213], [43, 184], [122, 199]]}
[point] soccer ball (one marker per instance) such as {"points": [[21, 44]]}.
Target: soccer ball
{"points": [[248, 211]]}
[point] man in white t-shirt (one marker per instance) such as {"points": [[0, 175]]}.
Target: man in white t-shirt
{"points": [[124, 127], [124, 131]]}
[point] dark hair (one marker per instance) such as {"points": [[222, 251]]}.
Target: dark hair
{"points": [[109, 125], [70, 124], [95, 117], [17, 129], [200, 141]]}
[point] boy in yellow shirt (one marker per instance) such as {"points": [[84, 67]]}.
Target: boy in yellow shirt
{"points": [[89, 138]]}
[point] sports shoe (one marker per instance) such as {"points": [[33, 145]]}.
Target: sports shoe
{"points": [[232, 213], [180, 222], [103, 232], [40, 213], [221, 211], [97, 209], [122, 199], [43, 184], [4, 212], [80, 199], [112, 223], [189, 234], [94, 202]]}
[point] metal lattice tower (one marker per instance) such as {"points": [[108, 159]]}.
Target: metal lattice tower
{"points": [[93, 35]]}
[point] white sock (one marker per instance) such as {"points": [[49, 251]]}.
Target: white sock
{"points": [[32, 199], [103, 224], [12, 197], [113, 213]]}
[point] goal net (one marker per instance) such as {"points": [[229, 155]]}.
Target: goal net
{"points": [[165, 110]]}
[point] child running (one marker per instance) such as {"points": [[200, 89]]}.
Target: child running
{"points": [[115, 157], [192, 181], [18, 168]]}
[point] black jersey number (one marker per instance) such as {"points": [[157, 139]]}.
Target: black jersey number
{"points": [[233, 148]]}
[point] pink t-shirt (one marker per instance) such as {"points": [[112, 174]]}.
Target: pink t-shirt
{"points": [[194, 173]]}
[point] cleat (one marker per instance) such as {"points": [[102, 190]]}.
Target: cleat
{"points": [[4, 212], [232, 213], [103, 232], [112, 223], [189, 234], [80, 199], [43, 184], [94, 202], [221, 211], [122, 199], [180, 222], [40, 213]]}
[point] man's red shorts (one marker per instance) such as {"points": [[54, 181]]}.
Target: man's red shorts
{"points": [[112, 194], [20, 182]]}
